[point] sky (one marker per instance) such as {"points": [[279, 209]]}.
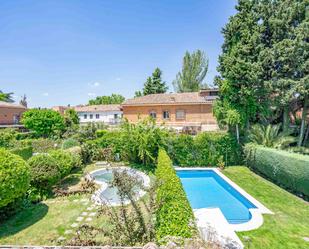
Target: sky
{"points": [[62, 52]]}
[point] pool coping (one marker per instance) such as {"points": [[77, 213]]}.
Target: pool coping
{"points": [[257, 219], [103, 185]]}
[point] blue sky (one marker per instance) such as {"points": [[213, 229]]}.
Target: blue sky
{"points": [[67, 51]]}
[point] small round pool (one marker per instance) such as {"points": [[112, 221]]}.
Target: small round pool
{"points": [[109, 195]]}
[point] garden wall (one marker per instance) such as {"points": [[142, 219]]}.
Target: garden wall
{"points": [[289, 170]]}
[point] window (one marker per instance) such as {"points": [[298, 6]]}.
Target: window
{"points": [[153, 114], [91, 116], [180, 114], [85, 116], [97, 116], [166, 115]]}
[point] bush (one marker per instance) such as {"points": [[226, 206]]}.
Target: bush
{"points": [[68, 143], [76, 153], [101, 133], [64, 161], [24, 152], [43, 122], [174, 215], [289, 170], [43, 145], [7, 137], [14, 177], [206, 149], [44, 171]]}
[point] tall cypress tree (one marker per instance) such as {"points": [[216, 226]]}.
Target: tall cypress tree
{"points": [[154, 84]]}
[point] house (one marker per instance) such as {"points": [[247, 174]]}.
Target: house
{"points": [[109, 114], [10, 113], [191, 110]]}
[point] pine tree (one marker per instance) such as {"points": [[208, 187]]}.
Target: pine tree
{"points": [[194, 70], [154, 84]]}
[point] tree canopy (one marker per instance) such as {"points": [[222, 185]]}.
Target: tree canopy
{"points": [[6, 97], [194, 69], [107, 100]]}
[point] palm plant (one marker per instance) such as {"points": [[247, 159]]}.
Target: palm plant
{"points": [[270, 136], [6, 97]]}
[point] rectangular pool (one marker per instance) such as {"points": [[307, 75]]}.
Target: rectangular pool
{"points": [[206, 189]]}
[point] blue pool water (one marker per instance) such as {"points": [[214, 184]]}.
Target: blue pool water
{"points": [[205, 189]]}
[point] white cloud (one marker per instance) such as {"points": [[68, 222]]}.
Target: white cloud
{"points": [[94, 84], [45, 94], [118, 79], [91, 94]]}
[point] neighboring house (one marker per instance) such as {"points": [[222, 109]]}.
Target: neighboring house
{"points": [[60, 109], [109, 114], [192, 110], [10, 113]]}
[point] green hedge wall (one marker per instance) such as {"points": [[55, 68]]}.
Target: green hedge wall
{"points": [[174, 215], [289, 170], [205, 149], [24, 152], [14, 177]]}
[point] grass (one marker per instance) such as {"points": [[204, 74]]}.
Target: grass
{"points": [[289, 224]]}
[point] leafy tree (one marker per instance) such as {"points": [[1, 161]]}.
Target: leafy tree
{"points": [[6, 97], [194, 70], [44, 122], [107, 100], [154, 84], [71, 117]]}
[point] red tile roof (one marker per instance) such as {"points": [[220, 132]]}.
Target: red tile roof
{"points": [[11, 105], [97, 108]]}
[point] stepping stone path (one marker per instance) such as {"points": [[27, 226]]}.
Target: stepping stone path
{"points": [[89, 219], [68, 231], [84, 213], [79, 218], [92, 214], [74, 225]]}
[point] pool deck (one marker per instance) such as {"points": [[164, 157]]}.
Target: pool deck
{"points": [[212, 223]]}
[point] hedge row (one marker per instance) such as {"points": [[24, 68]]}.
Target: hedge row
{"points": [[289, 170], [206, 149], [174, 215], [14, 177]]}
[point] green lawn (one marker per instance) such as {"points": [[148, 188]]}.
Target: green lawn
{"points": [[284, 229]]}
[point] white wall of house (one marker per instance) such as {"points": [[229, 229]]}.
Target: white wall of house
{"points": [[110, 117]]}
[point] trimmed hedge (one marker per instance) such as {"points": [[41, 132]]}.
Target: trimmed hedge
{"points": [[289, 170], [174, 215], [24, 152], [44, 171], [14, 177], [64, 161], [206, 149]]}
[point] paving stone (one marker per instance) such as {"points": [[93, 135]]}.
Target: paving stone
{"points": [[93, 214], [61, 238], [89, 219], [84, 213], [74, 225], [306, 239], [89, 208], [68, 231], [75, 200], [79, 218]]}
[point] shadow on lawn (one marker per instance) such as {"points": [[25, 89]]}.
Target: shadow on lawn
{"points": [[23, 219]]}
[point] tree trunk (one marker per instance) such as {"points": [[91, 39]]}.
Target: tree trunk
{"points": [[237, 133], [307, 135], [286, 119], [303, 123]]}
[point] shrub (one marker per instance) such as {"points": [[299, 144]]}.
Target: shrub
{"points": [[7, 136], [101, 133], [24, 152], [174, 215], [44, 171], [64, 161], [289, 170], [206, 149], [43, 145], [76, 153], [68, 143], [14, 177]]}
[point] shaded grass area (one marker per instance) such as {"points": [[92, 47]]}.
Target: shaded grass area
{"points": [[284, 229]]}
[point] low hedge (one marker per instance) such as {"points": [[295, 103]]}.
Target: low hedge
{"points": [[289, 170], [69, 143], [14, 177], [64, 161], [205, 149], [24, 152], [174, 215], [44, 171]]}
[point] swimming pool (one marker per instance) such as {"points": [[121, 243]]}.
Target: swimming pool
{"points": [[207, 189]]}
